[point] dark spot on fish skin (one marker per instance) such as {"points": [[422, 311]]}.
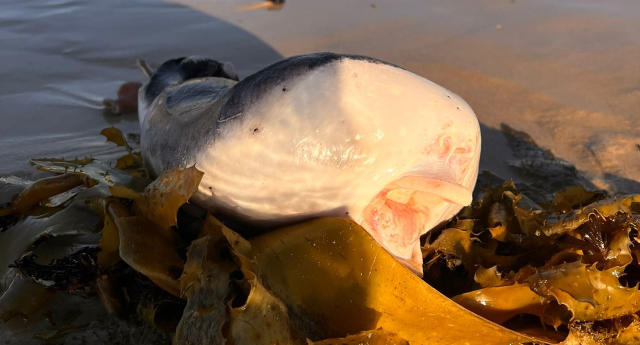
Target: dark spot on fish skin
{"points": [[284, 89], [256, 130], [458, 108], [346, 213], [449, 96], [638, 147]]}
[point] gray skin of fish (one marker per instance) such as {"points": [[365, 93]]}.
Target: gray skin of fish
{"points": [[195, 97], [192, 108]]}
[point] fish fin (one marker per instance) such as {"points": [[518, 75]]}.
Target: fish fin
{"points": [[449, 191], [145, 68]]}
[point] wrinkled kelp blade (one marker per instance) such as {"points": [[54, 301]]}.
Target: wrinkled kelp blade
{"points": [[205, 284], [164, 196], [95, 169], [76, 218], [150, 251], [218, 308], [588, 293], [574, 219], [110, 240], [44, 189], [262, 319], [377, 337], [500, 304], [334, 273]]}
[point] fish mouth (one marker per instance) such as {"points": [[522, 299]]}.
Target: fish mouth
{"points": [[449, 191], [408, 207]]}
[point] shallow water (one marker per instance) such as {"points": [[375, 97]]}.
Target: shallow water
{"points": [[61, 58], [565, 72]]}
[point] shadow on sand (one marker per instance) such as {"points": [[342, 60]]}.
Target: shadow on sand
{"points": [[514, 155]]}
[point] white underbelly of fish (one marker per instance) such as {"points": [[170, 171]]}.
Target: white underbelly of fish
{"points": [[328, 142]]}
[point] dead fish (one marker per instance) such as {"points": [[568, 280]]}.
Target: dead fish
{"points": [[316, 135]]}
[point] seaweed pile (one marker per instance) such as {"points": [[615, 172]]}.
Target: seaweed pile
{"points": [[563, 269]]}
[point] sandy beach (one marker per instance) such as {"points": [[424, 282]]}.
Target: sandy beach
{"points": [[565, 72]]}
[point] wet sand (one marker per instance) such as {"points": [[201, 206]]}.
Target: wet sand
{"points": [[566, 73]]}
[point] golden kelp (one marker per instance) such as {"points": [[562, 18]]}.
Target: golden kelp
{"points": [[221, 293], [564, 270], [43, 189], [502, 303], [205, 284], [375, 337], [115, 136], [324, 279], [145, 239], [164, 196], [571, 266], [337, 278]]}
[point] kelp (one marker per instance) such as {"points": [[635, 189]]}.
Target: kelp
{"points": [[100, 171], [150, 251], [564, 262], [163, 197], [52, 239], [71, 272], [511, 268], [127, 100], [457, 244], [222, 292], [374, 337], [128, 171], [325, 280], [502, 303], [143, 235], [110, 237], [205, 284], [331, 272], [75, 217], [44, 189], [589, 294], [489, 277], [132, 162]]}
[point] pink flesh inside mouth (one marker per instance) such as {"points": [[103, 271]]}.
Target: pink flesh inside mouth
{"points": [[407, 208]]}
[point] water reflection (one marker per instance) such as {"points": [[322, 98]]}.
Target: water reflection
{"points": [[64, 57]]}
